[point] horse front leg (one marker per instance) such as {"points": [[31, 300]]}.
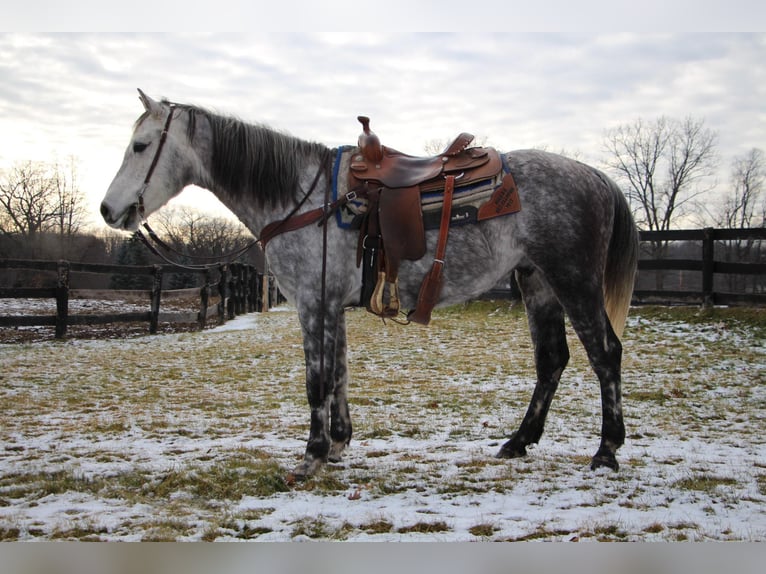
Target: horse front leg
{"points": [[340, 425], [320, 347]]}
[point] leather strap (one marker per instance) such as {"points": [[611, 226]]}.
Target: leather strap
{"points": [[292, 221], [290, 224], [155, 160], [299, 221], [432, 282], [461, 142], [441, 246]]}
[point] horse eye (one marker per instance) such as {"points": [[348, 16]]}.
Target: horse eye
{"points": [[138, 147]]}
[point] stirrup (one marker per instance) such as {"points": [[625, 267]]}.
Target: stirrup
{"points": [[378, 306], [376, 301]]}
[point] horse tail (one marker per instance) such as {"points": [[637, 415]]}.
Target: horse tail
{"points": [[621, 262]]}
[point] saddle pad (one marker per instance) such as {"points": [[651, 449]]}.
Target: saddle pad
{"points": [[466, 200]]}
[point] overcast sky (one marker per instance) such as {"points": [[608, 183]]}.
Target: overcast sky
{"points": [[75, 94]]}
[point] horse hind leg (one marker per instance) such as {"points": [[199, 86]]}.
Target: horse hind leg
{"points": [[605, 355], [546, 324]]}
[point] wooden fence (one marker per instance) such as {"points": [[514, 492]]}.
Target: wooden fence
{"points": [[695, 280], [239, 289]]}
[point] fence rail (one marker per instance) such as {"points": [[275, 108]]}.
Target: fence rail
{"points": [[240, 288]]}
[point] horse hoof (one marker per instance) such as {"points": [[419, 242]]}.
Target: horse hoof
{"points": [[511, 451], [604, 459], [336, 452], [304, 470]]}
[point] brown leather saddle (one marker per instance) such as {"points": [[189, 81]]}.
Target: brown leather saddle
{"points": [[392, 229]]}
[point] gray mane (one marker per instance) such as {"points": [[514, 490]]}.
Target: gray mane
{"points": [[253, 161]]}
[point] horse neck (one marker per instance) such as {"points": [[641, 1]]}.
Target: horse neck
{"points": [[257, 188]]}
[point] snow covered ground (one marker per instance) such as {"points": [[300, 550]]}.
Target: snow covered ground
{"points": [[189, 436]]}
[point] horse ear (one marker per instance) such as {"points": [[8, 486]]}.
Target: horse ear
{"points": [[150, 105]]}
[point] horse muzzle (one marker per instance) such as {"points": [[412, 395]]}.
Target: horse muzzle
{"points": [[127, 219]]}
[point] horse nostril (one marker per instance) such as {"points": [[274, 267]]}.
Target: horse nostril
{"points": [[106, 213]]}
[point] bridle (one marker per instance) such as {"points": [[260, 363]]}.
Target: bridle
{"points": [[153, 235], [288, 223], [153, 165]]}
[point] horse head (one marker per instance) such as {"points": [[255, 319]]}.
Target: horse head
{"points": [[157, 165]]}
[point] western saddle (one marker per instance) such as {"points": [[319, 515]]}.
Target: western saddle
{"points": [[392, 229]]}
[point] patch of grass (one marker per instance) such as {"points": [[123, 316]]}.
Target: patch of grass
{"points": [[609, 532], [250, 532], [425, 528], [654, 395], [380, 526], [377, 431], [542, 533], [654, 528], [40, 484], [235, 479], [167, 530], [683, 526], [483, 530], [243, 474], [325, 481], [704, 483], [82, 532], [460, 487], [254, 513], [377, 453], [318, 528], [9, 534]]}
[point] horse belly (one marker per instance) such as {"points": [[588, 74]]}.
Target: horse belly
{"points": [[478, 257]]}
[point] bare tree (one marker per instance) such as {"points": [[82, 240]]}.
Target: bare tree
{"points": [[745, 206], [24, 199], [69, 201], [37, 197], [194, 233], [665, 164]]}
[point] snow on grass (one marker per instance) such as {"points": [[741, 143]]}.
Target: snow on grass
{"points": [[190, 436]]}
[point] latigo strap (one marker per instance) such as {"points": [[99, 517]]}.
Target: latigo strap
{"points": [[432, 283]]}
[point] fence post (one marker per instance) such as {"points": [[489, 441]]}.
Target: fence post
{"points": [[62, 299], [204, 294], [708, 264], [223, 290], [231, 310], [239, 290], [257, 285], [156, 294], [265, 292], [246, 291]]}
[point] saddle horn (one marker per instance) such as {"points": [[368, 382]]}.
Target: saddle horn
{"points": [[368, 142]]}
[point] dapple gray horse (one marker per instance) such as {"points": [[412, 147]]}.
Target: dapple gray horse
{"points": [[573, 248]]}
